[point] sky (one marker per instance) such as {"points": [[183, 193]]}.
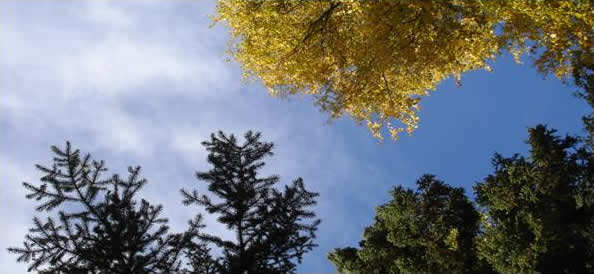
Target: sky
{"points": [[144, 82]]}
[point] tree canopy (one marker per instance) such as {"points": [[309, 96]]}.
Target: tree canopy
{"points": [[375, 60]]}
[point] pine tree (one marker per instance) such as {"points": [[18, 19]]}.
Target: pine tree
{"points": [[101, 227], [270, 225]]}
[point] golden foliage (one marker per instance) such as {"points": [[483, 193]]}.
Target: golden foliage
{"points": [[374, 60]]}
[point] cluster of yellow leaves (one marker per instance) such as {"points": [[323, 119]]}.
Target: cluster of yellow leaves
{"points": [[374, 60]]}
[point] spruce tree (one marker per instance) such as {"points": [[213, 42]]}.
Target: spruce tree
{"points": [[271, 226], [431, 230], [101, 227], [540, 209]]}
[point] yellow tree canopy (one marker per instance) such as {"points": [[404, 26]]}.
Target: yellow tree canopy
{"points": [[374, 60]]}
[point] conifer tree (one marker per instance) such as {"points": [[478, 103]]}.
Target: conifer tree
{"points": [[271, 226], [540, 209], [101, 227], [583, 77], [431, 230]]}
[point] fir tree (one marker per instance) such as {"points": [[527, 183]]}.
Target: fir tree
{"points": [[101, 227], [270, 225]]}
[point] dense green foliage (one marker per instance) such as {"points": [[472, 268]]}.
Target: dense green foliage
{"points": [[429, 230], [583, 76], [537, 216], [540, 210], [270, 225]]}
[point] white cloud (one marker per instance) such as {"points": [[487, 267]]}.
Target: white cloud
{"points": [[109, 50], [104, 13]]}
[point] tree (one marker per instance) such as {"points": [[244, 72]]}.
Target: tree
{"points": [[270, 225], [101, 227], [583, 76], [374, 60], [540, 210], [431, 230]]}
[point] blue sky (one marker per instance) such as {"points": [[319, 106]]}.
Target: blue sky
{"points": [[144, 82]]}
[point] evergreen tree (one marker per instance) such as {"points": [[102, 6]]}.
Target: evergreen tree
{"points": [[430, 230], [270, 225], [540, 210], [583, 76], [101, 227]]}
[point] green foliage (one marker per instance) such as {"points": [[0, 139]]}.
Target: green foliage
{"points": [[347, 260], [537, 217], [429, 230], [540, 210], [270, 225], [583, 76]]}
